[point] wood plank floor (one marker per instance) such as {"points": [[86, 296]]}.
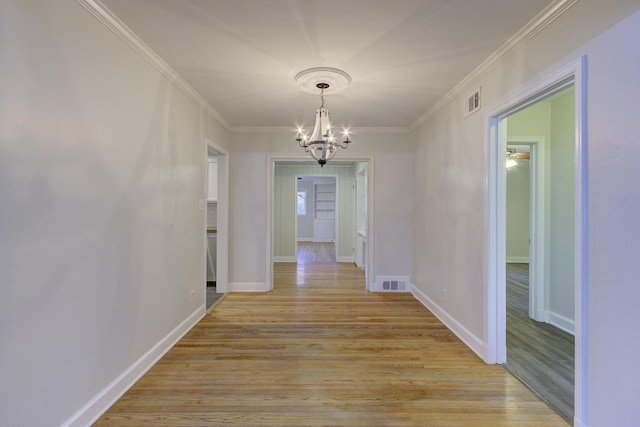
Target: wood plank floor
{"points": [[316, 253], [320, 350], [539, 354]]}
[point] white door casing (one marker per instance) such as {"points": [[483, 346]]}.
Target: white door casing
{"points": [[495, 298]]}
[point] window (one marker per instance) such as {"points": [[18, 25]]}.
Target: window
{"points": [[302, 202]]}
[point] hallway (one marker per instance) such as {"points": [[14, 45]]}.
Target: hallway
{"points": [[320, 350]]}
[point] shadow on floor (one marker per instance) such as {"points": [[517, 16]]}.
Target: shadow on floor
{"points": [[212, 295]]}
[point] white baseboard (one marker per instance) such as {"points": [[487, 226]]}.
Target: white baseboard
{"points": [[561, 322], [248, 287], [102, 401], [473, 342], [284, 259], [518, 259], [345, 259]]}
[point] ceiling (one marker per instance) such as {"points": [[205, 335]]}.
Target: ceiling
{"points": [[402, 55]]}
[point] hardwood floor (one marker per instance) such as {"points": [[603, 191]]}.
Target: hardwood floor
{"points": [[539, 354], [321, 350], [316, 253]]}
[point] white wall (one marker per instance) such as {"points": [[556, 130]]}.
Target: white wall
{"points": [[102, 165], [450, 196], [613, 226], [561, 204], [518, 216], [392, 202]]}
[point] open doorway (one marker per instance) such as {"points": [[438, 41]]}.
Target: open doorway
{"points": [[316, 215], [563, 297], [286, 236], [539, 221], [216, 247]]}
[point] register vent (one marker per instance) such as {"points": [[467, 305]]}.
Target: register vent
{"points": [[472, 103], [392, 284]]}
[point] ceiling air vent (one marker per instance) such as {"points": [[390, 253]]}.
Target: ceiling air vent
{"points": [[472, 103]]}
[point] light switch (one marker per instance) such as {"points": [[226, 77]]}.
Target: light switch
{"points": [[201, 205]]}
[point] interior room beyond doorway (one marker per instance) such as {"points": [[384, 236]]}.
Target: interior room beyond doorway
{"points": [[540, 249]]}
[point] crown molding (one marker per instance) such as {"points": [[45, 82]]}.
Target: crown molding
{"points": [[292, 130], [537, 24], [120, 29]]}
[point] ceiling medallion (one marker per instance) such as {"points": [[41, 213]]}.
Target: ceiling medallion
{"points": [[307, 80], [322, 144]]}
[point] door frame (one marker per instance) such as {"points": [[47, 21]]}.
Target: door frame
{"points": [[357, 241], [270, 182], [537, 230], [222, 242], [495, 299]]}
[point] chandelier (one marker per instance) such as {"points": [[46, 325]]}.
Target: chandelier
{"points": [[322, 144]]}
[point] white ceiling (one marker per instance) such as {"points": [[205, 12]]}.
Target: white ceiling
{"points": [[403, 55]]}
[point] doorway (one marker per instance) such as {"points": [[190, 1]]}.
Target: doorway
{"points": [[564, 298], [316, 219], [282, 195], [216, 224], [539, 221]]}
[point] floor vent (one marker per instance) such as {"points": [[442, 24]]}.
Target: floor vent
{"points": [[393, 284]]}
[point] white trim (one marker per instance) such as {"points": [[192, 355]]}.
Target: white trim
{"points": [[305, 239], [222, 244], [561, 322], [518, 259], [537, 24], [575, 74], [270, 221], [120, 29], [470, 340], [98, 405], [248, 287], [370, 270], [581, 280], [578, 423], [284, 259], [538, 89], [345, 259], [291, 130]]}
